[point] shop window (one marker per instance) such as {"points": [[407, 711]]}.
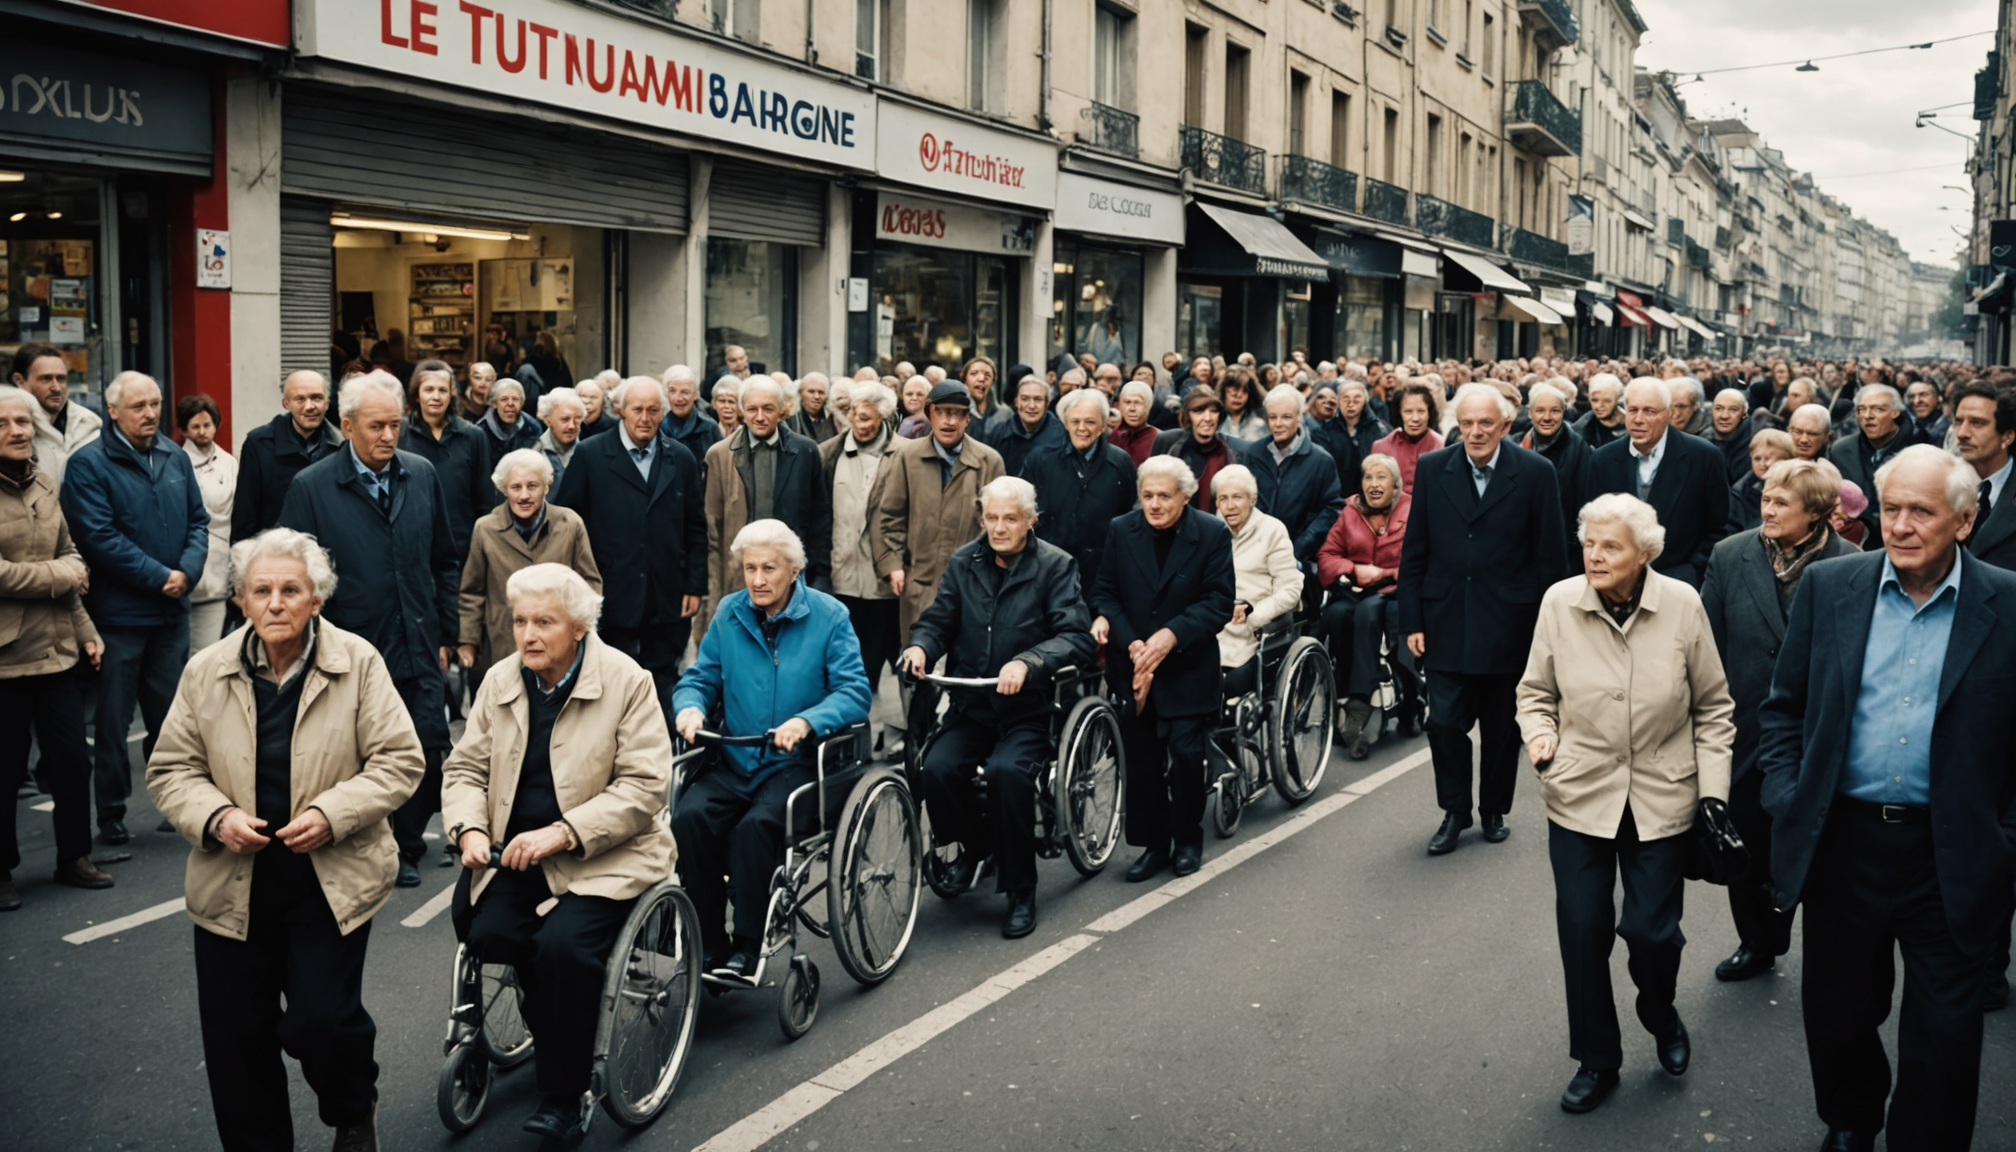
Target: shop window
{"points": [[1097, 307], [1295, 318], [52, 274], [1361, 321], [940, 306], [1200, 319], [752, 301]]}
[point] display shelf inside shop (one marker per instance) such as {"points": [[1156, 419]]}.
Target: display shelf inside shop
{"points": [[441, 314]]}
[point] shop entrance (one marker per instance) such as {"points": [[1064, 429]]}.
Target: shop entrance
{"points": [[940, 306], [1097, 304]]}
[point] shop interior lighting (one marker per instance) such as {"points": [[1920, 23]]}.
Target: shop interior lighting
{"points": [[344, 220], [54, 215], [17, 217], [7, 177]]}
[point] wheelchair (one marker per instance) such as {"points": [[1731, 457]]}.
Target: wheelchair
{"points": [[855, 825], [1276, 736], [650, 997], [1079, 801], [1400, 697]]}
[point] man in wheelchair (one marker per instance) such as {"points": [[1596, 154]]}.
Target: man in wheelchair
{"points": [[1009, 605], [586, 826], [780, 658]]}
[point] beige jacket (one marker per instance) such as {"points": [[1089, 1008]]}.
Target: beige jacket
{"points": [[853, 468], [52, 448], [916, 520], [217, 479], [612, 774], [1263, 557], [355, 757], [1640, 713], [496, 553], [43, 627]]}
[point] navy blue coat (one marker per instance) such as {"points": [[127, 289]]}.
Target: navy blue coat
{"points": [[697, 432], [1570, 454], [268, 461], [1077, 499], [1191, 595], [649, 540], [1302, 491], [462, 464], [1035, 612], [1016, 443], [1690, 492], [1333, 437], [133, 526]]}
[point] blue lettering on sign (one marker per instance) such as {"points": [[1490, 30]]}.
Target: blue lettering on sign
{"points": [[847, 130], [773, 111], [804, 121], [744, 110], [717, 96], [778, 112]]}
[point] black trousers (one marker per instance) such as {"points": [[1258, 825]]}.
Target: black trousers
{"points": [[1354, 630], [305, 959], [721, 833], [1873, 890], [1005, 827], [422, 696], [1762, 928], [1586, 869], [140, 665], [1456, 701], [1165, 777], [560, 959], [875, 626], [659, 648], [53, 704]]}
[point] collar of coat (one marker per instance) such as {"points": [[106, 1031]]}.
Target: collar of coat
{"points": [[1590, 600], [329, 655], [751, 617], [587, 678]]}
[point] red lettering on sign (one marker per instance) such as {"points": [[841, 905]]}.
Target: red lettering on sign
{"points": [[900, 221], [630, 81], [478, 14], [506, 60], [545, 35], [423, 28], [385, 32]]}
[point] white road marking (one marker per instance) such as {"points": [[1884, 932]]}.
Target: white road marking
{"points": [[435, 905], [114, 927], [786, 1111]]}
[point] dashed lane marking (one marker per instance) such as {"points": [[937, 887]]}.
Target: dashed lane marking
{"points": [[113, 927]]}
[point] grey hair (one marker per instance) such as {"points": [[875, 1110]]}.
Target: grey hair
{"points": [[1962, 483], [285, 543], [581, 386], [784, 395], [608, 378], [1896, 401], [771, 534], [1080, 396], [1074, 375], [679, 372], [1819, 412], [1169, 469], [1545, 389], [615, 397], [504, 386], [118, 385], [581, 603], [1357, 382], [1659, 387], [1012, 488], [1689, 383], [1606, 381], [9, 393], [819, 378], [1634, 514], [1506, 409], [1391, 465], [518, 458], [729, 386], [1354, 372], [1283, 392], [1137, 388], [1235, 476], [351, 395], [558, 396], [874, 393]]}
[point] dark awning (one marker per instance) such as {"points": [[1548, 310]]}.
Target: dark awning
{"points": [[1233, 243]]}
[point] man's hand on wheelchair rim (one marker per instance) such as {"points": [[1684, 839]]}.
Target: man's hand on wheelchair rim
{"points": [[475, 849], [1014, 675], [689, 722], [789, 733]]}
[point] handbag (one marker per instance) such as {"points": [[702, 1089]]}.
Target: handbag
{"points": [[1714, 851]]}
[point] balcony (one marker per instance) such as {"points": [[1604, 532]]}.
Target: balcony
{"points": [[1541, 124], [1314, 182], [1223, 160], [1387, 202], [1111, 130], [1676, 231], [1439, 217], [1698, 257], [1553, 23], [1533, 248]]}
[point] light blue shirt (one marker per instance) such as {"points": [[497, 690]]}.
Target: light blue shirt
{"points": [[640, 454], [1481, 473], [378, 483], [1890, 739]]}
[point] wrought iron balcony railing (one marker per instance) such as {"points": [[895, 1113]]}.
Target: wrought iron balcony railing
{"points": [[1314, 182], [1556, 20], [1533, 248], [1112, 130], [1223, 160], [1438, 217], [1540, 123], [1387, 202]]}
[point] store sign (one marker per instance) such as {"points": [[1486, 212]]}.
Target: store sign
{"points": [[586, 60], [937, 224], [951, 155], [133, 110], [1358, 255], [213, 258], [264, 21], [1102, 208]]}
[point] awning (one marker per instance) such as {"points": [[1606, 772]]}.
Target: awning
{"points": [[1600, 312], [1637, 221], [1561, 300], [1532, 309], [1632, 315], [1992, 298], [1354, 255], [1415, 263], [1695, 326], [1661, 317], [1487, 273], [1274, 251]]}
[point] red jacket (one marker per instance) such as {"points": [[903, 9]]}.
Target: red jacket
{"points": [[1406, 452], [1136, 442], [1352, 541]]}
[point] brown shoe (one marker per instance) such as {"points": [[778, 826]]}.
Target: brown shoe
{"points": [[10, 897], [358, 1137], [82, 873]]}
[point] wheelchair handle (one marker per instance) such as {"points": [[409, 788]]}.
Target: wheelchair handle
{"points": [[962, 681], [705, 737]]}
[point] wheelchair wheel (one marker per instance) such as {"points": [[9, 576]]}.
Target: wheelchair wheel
{"points": [[1304, 719], [650, 996], [872, 885], [1230, 806], [462, 1088], [507, 1042], [798, 999], [1091, 784]]}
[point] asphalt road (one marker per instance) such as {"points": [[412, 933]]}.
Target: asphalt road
{"points": [[1322, 984]]}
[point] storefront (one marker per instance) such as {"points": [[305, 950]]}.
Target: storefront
{"points": [[1362, 306], [1243, 285], [1472, 319], [1108, 237]]}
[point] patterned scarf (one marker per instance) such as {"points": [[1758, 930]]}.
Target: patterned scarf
{"points": [[1789, 562]]}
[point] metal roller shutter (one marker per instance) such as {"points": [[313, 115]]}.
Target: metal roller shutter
{"points": [[307, 284], [353, 145], [751, 202]]}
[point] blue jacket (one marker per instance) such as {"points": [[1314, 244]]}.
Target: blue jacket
{"points": [[1302, 491], [696, 432], [814, 673], [133, 526], [1016, 443]]}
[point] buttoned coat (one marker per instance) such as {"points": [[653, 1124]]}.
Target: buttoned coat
{"points": [[1077, 498], [497, 551], [803, 502], [649, 538], [1690, 492], [1266, 577], [916, 519], [1034, 613], [269, 458], [1190, 594], [43, 625]]}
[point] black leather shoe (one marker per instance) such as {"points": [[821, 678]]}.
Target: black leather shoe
{"points": [[113, 832], [1021, 915], [409, 876], [741, 968], [1494, 828], [1148, 865], [1743, 964], [10, 896], [1848, 1140], [1674, 1048], [1186, 860], [1588, 1089], [960, 873], [82, 873], [1444, 841], [1997, 996], [558, 1118]]}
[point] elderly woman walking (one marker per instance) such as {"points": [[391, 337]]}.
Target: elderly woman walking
{"points": [[523, 531], [1627, 719], [217, 478], [851, 461], [283, 757]]}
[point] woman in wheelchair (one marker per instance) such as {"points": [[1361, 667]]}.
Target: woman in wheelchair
{"points": [[781, 659], [1269, 581], [1009, 605], [586, 827], [1360, 564]]}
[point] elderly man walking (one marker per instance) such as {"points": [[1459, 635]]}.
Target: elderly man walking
{"points": [[1682, 477], [137, 516], [1879, 412], [926, 501]]}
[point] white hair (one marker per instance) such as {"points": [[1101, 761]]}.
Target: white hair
{"points": [[1689, 384], [351, 395], [1076, 397], [1354, 372], [1282, 392], [1013, 489], [558, 396], [782, 393], [608, 378], [285, 543], [873, 393], [10, 394], [1237, 477], [1634, 514], [1137, 388], [1818, 411], [118, 385], [1962, 482], [1884, 391], [1605, 382], [518, 458], [729, 386], [1506, 409], [679, 372], [1660, 388], [1539, 390], [615, 396], [771, 534], [819, 378], [1169, 469], [1392, 466], [580, 602], [582, 387], [1357, 382], [505, 386]]}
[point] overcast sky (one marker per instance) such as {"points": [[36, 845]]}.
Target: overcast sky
{"points": [[1851, 117]]}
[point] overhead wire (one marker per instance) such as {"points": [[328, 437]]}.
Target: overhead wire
{"points": [[1837, 56]]}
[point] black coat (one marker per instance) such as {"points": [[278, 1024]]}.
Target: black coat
{"points": [[1736, 451], [1472, 571], [1191, 595], [1371, 429], [1690, 492], [1333, 437], [1570, 454], [1037, 615], [461, 460], [697, 432], [649, 540], [1077, 499], [1301, 490], [803, 499], [396, 575], [1016, 443], [1806, 722], [524, 434], [1596, 432], [267, 463], [1995, 540], [1746, 504], [1740, 595]]}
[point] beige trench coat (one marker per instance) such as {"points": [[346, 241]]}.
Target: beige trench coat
{"points": [[496, 553], [916, 520], [1639, 713], [355, 757], [43, 627], [612, 774]]}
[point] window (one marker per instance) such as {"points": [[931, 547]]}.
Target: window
{"points": [[1392, 146], [1195, 42], [741, 19], [1238, 62], [870, 17], [1340, 129], [983, 55], [1520, 215], [752, 300], [1435, 16], [1487, 161], [1462, 193], [1113, 57], [1469, 18], [1433, 174], [1298, 113], [1490, 46]]}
